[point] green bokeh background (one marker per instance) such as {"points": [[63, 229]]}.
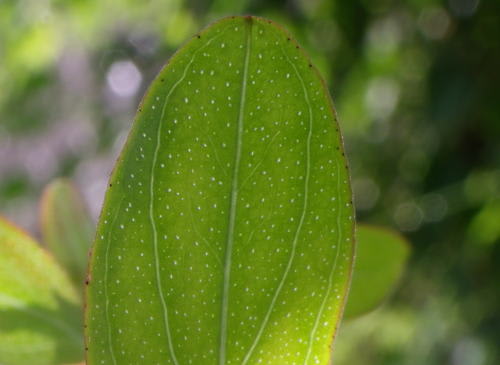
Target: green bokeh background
{"points": [[416, 85]]}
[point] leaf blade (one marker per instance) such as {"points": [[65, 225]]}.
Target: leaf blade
{"points": [[40, 313], [66, 226], [381, 255], [205, 185]]}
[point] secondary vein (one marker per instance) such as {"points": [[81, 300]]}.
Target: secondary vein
{"points": [[106, 266], [152, 218], [152, 200], [332, 271], [155, 246], [301, 221]]}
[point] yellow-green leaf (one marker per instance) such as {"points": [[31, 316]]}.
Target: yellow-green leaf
{"points": [[40, 312], [381, 255], [226, 235], [66, 227]]}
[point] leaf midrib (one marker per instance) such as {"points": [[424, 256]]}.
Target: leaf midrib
{"points": [[234, 198]]}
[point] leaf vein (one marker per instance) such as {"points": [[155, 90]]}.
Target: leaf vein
{"points": [[332, 272], [152, 200], [233, 202], [106, 297]]}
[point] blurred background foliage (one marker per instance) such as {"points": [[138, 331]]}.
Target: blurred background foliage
{"points": [[415, 84]]}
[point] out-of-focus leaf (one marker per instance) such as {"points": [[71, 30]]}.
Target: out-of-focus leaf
{"points": [[226, 235], [40, 312], [381, 256], [66, 227], [484, 228]]}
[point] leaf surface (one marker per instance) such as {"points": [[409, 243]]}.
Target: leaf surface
{"points": [[226, 235], [381, 255], [66, 227], [40, 312]]}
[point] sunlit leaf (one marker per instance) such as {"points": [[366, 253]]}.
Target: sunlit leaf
{"points": [[40, 313], [226, 233], [381, 256], [66, 227]]}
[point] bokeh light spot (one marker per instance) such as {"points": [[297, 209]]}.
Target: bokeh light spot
{"points": [[124, 78]]}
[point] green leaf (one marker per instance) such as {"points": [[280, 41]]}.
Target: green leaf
{"points": [[66, 227], [40, 312], [381, 256], [484, 228], [226, 235]]}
